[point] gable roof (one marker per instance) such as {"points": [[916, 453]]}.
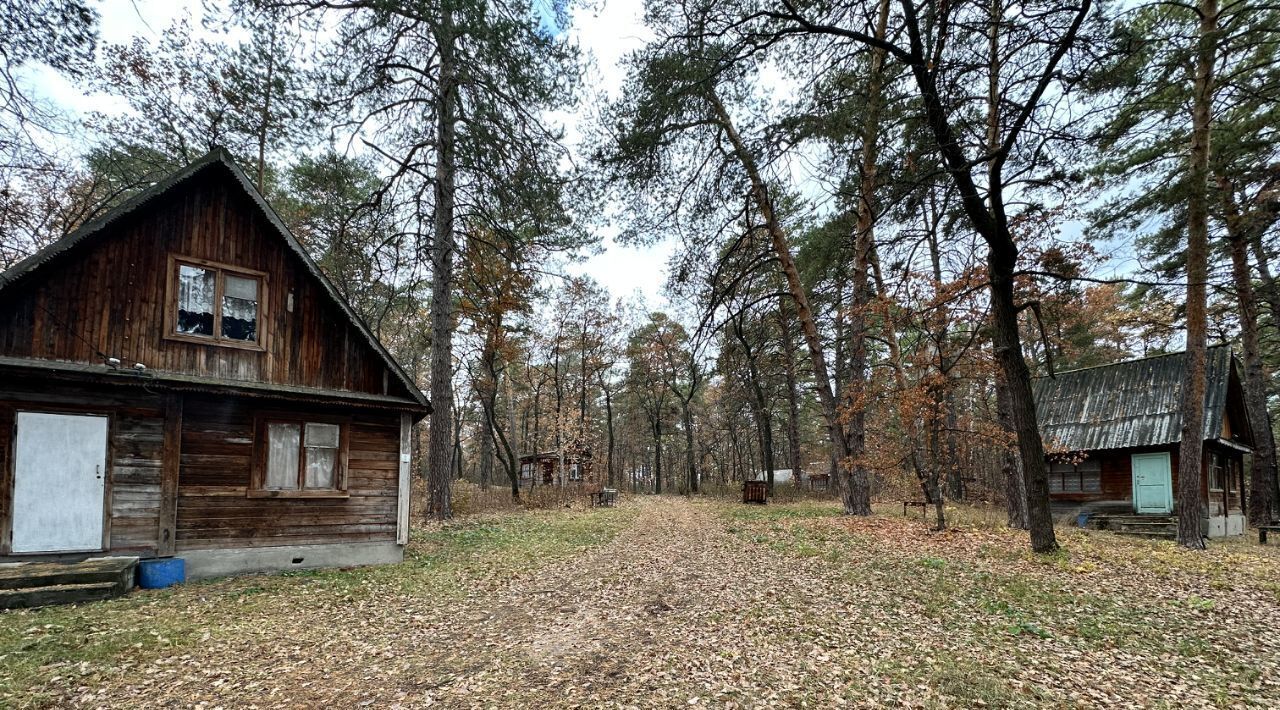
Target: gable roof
{"points": [[216, 159], [1132, 403]]}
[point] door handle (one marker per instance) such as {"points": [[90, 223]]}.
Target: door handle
{"points": [[97, 472]]}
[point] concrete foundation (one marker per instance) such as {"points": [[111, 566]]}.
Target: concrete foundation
{"points": [[203, 564]]}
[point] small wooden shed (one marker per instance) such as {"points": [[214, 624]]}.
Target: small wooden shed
{"points": [[1112, 434], [179, 378], [543, 469]]}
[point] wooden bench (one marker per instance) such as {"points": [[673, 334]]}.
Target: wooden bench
{"points": [[755, 492], [605, 497], [923, 505], [1264, 529]]}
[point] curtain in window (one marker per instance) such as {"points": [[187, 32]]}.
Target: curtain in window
{"points": [[283, 441], [240, 308], [195, 300], [322, 454]]}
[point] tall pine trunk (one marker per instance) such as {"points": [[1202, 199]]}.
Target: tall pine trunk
{"points": [[608, 418], [439, 442], [836, 431], [690, 464], [657, 453], [1015, 489], [1262, 475], [793, 392], [1191, 451], [857, 494]]}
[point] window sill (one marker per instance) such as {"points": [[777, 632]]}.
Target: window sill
{"points": [[217, 342], [296, 494]]}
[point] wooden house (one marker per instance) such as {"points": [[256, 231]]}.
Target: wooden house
{"points": [[1113, 434], [543, 469], [179, 378]]}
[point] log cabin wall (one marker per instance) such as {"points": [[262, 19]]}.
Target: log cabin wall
{"points": [[134, 461], [110, 294], [217, 456], [1117, 478]]}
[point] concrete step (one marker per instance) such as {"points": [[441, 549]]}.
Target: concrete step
{"points": [[28, 597]]}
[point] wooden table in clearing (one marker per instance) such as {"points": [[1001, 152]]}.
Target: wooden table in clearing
{"points": [[921, 504]]}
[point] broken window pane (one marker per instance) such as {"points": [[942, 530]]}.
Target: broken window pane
{"points": [[195, 300], [240, 308], [282, 456]]}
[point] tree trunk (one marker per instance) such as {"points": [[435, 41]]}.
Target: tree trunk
{"points": [[992, 224], [758, 404], [657, 454], [793, 392], [511, 442], [782, 249], [439, 444], [1262, 476], [857, 494], [265, 126], [692, 468], [486, 453], [1015, 490], [608, 418], [1191, 451]]}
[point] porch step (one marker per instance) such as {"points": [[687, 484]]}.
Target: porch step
{"points": [[28, 584], [27, 597], [1155, 526]]}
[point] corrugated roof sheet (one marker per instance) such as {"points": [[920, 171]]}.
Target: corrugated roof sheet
{"points": [[1127, 404]]}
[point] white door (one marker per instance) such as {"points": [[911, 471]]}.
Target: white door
{"points": [[59, 482]]}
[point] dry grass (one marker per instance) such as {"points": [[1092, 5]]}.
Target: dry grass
{"points": [[470, 499], [670, 601]]}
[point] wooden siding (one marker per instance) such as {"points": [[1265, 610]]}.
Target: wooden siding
{"points": [[135, 455], [1117, 479], [110, 295], [217, 454]]}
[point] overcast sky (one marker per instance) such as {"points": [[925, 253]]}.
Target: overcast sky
{"points": [[605, 32]]}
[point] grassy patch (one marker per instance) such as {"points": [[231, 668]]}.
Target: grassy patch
{"points": [[984, 591], [51, 644]]}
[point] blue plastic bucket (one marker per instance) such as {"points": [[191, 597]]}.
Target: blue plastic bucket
{"points": [[161, 573], [1082, 520]]}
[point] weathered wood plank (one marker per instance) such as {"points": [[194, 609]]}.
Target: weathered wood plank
{"points": [[172, 464], [404, 483]]}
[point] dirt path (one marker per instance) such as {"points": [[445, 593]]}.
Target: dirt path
{"points": [[689, 606], [674, 611]]}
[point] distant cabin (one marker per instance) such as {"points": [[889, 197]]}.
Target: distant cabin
{"points": [[179, 378], [1112, 435], [543, 469]]}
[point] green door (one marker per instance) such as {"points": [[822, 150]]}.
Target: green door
{"points": [[1152, 483]]}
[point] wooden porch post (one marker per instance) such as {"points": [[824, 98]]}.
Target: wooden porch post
{"points": [[402, 497], [171, 463]]}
